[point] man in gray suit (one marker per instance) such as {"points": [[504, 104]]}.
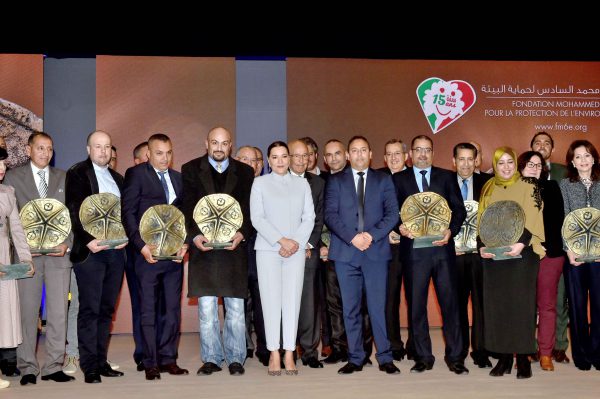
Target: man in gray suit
{"points": [[33, 180]]}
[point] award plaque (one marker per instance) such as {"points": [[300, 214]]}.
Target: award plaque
{"points": [[219, 217], [426, 215], [581, 232], [15, 272], [466, 240], [501, 225], [46, 223], [100, 215], [163, 226]]}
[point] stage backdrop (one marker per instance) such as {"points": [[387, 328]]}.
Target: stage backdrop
{"points": [[180, 97]]}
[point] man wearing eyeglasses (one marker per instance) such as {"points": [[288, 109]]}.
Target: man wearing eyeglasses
{"points": [[543, 143], [437, 262]]}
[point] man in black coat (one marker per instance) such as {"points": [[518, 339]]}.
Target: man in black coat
{"points": [[218, 273], [98, 268], [468, 265], [437, 262], [148, 184]]}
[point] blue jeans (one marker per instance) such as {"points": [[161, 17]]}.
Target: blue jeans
{"points": [[234, 331]]}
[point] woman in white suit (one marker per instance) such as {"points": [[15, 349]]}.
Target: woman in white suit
{"points": [[282, 212]]}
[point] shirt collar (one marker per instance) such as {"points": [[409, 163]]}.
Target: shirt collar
{"points": [[35, 169], [224, 163]]}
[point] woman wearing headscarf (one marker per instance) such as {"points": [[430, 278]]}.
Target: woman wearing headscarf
{"points": [[581, 189], [509, 286]]}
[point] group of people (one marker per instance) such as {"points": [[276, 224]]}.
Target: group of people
{"points": [[320, 257]]}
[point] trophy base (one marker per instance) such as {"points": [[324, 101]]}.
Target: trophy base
{"points": [[113, 243], [587, 258], [165, 257], [426, 241], [466, 250], [15, 272], [218, 245], [499, 252], [45, 251]]}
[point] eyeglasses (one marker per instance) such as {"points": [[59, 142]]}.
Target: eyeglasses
{"points": [[300, 156], [534, 165], [426, 150]]}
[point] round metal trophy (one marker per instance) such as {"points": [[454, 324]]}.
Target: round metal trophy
{"points": [[466, 240], [46, 223], [501, 225], [581, 232], [426, 215], [100, 215], [163, 226], [219, 217]]}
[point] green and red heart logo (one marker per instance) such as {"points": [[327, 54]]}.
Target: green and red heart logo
{"points": [[444, 102]]}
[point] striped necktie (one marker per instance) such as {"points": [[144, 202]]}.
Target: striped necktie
{"points": [[43, 187]]}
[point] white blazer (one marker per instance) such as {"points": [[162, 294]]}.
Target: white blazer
{"points": [[281, 206]]}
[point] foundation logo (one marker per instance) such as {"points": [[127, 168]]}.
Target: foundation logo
{"points": [[444, 102]]}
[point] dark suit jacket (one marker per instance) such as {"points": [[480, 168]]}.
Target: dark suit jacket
{"points": [[317, 188], [81, 182], [142, 189], [217, 272], [554, 215], [557, 171], [479, 179], [341, 214], [442, 182]]}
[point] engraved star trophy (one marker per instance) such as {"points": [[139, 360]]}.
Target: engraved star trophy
{"points": [[501, 225], [163, 227], [466, 240], [100, 215], [46, 223], [426, 215], [581, 232], [219, 217]]}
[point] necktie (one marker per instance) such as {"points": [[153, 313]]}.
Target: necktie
{"points": [[360, 192], [43, 187], [163, 181], [219, 167], [464, 189], [424, 183]]}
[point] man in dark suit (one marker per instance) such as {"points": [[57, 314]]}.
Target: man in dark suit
{"points": [[98, 268], [34, 180], [309, 321], [543, 143], [219, 273], [360, 211], [437, 262], [148, 184], [468, 265]]}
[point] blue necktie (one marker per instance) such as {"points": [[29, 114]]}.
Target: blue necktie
{"points": [[464, 189], [424, 181], [163, 181]]}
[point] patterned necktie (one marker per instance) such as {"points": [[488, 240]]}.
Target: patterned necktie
{"points": [[43, 187], [360, 192], [424, 181], [464, 189], [163, 181], [219, 167]]}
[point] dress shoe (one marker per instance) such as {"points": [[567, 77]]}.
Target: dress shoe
{"points": [[4, 383], [523, 367], [399, 354], [108, 371], [173, 369], [264, 359], [504, 365], [325, 351], [93, 377], [560, 356], [350, 368], [483, 362], [389, 368], [249, 353], [583, 366], [336, 356], [71, 365], [28, 379], [152, 373], [458, 368], [208, 368], [313, 363], [367, 361], [546, 363], [236, 368], [113, 365], [140, 366], [420, 367], [9, 369], [58, 376]]}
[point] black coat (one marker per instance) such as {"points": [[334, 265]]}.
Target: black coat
{"points": [[317, 188], [217, 272], [554, 215]]}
